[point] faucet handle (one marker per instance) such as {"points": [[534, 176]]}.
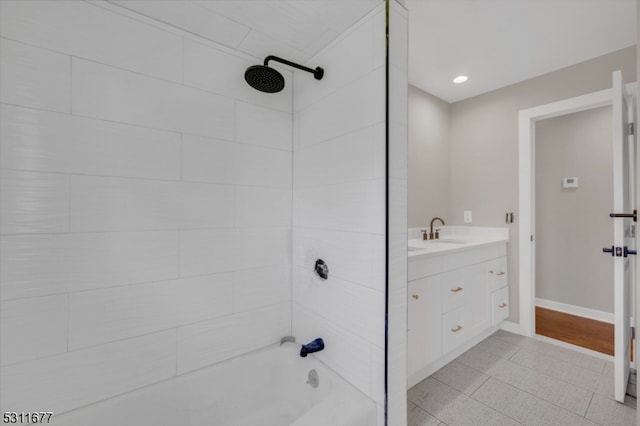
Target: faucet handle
{"points": [[437, 235], [424, 234]]}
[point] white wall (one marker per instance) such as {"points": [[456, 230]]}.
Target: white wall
{"points": [[339, 205], [146, 205]]}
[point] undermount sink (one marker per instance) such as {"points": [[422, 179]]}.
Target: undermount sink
{"points": [[446, 241], [443, 243]]}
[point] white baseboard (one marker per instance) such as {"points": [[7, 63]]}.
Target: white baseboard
{"points": [[511, 327], [576, 310]]}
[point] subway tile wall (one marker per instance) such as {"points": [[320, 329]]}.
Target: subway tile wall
{"points": [[339, 206], [146, 205]]}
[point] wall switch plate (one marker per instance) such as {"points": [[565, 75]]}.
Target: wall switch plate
{"points": [[467, 216], [570, 182]]}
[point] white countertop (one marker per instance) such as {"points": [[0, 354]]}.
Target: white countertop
{"points": [[454, 239]]}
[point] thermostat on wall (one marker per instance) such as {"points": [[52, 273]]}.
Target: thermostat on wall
{"points": [[570, 182]]}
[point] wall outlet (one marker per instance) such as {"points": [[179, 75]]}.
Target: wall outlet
{"points": [[467, 216]]}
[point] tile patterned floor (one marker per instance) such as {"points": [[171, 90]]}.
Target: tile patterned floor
{"points": [[514, 380]]}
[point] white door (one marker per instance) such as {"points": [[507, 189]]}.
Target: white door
{"points": [[622, 235]]}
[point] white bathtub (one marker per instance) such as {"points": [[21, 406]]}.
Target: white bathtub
{"points": [[265, 388]]}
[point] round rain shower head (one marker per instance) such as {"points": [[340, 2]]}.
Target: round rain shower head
{"points": [[268, 80], [264, 78]]}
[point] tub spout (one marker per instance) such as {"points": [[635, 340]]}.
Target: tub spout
{"points": [[315, 346]]}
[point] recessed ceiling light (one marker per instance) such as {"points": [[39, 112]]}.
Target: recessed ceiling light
{"points": [[461, 79]]}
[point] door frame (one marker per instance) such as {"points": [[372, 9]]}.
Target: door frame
{"points": [[527, 119]]}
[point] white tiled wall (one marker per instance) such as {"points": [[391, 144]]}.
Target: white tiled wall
{"points": [[146, 205], [34, 77], [154, 209], [339, 205], [70, 144]]}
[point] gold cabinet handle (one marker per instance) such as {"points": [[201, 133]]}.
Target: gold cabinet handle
{"points": [[416, 297], [456, 328], [500, 273], [502, 305], [456, 289]]}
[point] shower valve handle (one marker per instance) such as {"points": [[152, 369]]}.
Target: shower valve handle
{"points": [[321, 269]]}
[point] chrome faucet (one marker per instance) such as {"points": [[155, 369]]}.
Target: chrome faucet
{"points": [[433, 236]]}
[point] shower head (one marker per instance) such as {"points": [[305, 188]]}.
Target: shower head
{"points": [[264, 78], [269, 80]]}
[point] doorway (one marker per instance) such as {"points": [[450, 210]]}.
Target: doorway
{"points": [[622, 229], [573, 197]]}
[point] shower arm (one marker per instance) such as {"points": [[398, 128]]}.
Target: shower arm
{"points": [[317, 73]]}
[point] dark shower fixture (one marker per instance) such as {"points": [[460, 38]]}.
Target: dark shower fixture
{"points": [[267, 79]]}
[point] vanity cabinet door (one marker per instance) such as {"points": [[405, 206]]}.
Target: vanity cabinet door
{"points": [[424, 323], [476, 301]]}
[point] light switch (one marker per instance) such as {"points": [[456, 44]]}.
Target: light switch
{"points": [[570, 182], [467, 216]]}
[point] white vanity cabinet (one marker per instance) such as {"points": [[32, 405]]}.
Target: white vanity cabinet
{"points": [[454, 301]]}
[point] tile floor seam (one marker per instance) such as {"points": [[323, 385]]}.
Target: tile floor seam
{"points": [[469, 396], [514, 354], [431, 414], [493, 408], [588, 405], [604, 367], [559, 379], [537, 397], [587, 410], [554, 378], [482, 384]]}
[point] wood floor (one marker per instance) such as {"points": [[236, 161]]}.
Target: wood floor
{"points": [[585, 332]]}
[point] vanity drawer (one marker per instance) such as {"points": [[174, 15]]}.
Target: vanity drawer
{"points": [[453, 330], [497, 270], [453, 289], [499, 305]]}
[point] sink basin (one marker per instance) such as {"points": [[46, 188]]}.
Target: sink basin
{"points": [[441, 244], [449, 241]]}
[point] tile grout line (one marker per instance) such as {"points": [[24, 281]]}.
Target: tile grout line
{"points": [[430, 414], [474, 399], [589, 405], [551, 376], [530, 394], [478, 388]]}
